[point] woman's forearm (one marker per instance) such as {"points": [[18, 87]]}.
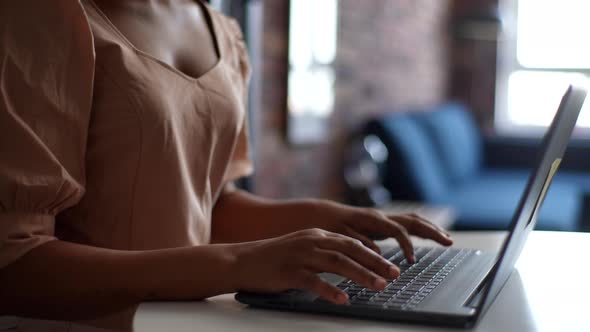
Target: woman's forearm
{"points": [[239, 216], [62, 280]]}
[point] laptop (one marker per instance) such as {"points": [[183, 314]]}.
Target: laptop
{"points": [[445, 286]]}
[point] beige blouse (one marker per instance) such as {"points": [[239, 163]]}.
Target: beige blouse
{"points": [[103, 144]]}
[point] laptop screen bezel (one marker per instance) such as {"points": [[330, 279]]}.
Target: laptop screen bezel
{"points": [[523, 222]]}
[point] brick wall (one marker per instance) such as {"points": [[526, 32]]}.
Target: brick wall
{"points": [[392, 55], [473, 64]]}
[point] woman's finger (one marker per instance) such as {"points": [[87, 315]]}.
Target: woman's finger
{"points": [[364, 239], [338, 263], [360, 254], [423, 228], [312, 282], [377, 223], [440, 229]]}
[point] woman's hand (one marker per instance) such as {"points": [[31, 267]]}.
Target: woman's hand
{"points": [[294, 261], [261, 218], [366, 225]]}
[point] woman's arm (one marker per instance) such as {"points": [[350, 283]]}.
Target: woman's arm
{"points": [[239, 216], [62, 280], [66, 281]]}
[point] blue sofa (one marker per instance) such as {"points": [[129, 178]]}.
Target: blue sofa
{"points": [[439, 156]]}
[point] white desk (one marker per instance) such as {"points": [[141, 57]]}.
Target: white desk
{"points": [[537, 297]]}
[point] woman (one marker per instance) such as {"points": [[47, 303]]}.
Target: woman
{"points": [[122, 127]]}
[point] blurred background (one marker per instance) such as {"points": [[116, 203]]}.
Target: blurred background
{"points": [[435, 106]]}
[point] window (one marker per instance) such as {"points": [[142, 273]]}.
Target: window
{"points": [[313, 30], [544, 48]]}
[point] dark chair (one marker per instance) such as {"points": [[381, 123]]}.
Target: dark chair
{"points": [[439, 156]]}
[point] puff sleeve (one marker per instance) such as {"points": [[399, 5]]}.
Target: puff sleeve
{"points": [[46, 77], [240, 164]]}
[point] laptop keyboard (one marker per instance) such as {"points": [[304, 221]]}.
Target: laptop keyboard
{"points": [[415, 282]]}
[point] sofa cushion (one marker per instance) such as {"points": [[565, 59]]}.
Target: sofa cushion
{"points": [[457, 140], [579, 178], [490, 200], [411, 149]]}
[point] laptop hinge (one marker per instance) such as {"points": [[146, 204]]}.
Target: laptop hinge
{"points": [[475, 298]]}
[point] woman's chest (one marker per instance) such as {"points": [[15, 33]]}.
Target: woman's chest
{"points": [[180, 36], [167, 107], [138, 94]]}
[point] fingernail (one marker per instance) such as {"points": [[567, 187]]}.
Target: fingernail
{"points": [[341, 297], [393, 271], [379, 283]]}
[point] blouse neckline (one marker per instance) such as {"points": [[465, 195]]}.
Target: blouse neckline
{"points": [[213, 30]]}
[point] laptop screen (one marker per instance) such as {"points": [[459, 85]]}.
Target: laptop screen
{"points": [[553, 147]]}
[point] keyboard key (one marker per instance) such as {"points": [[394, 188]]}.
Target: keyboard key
{"points": [[397, 259], [397, 300], [375, 304], [395, 287], [395, 304], [416, 282], [391, 253], [381, 299], [415, 288]]}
